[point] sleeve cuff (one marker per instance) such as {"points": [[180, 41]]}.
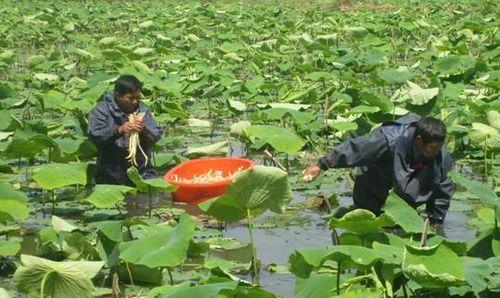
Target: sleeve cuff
{"points": [[322, 164]]}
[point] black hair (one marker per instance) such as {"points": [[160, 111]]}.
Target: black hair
{"points": [[430, 129], [127, 84]]}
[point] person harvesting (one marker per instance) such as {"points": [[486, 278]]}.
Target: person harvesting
{"points": [[124, 132], [406, 155]]}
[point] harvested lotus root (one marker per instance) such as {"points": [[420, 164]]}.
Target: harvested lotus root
{"points": [[134, 141], [210, 176]]}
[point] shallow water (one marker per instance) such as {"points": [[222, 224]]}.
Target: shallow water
{"points": [[276, 243]]}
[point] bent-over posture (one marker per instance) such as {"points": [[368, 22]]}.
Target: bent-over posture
{"points": [[406, 155]]}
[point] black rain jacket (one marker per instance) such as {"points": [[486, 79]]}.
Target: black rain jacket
{"points": [[104, 121], [383, 159]]}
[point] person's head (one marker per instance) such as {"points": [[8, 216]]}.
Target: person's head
{"points": [[128, 93], [430, 134]]}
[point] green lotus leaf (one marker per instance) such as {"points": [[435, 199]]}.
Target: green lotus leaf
{"points": [[185, 290], [107, 196], [394, 76], [145, 185], [279, 138], [56, 175], [257, 190], [433, 267], [484, 135], [216, 149], [485, 193], [361, 221], [303, 261], [403, 214], [168, 246], [61, 279], [13, 204], [10, 247]]}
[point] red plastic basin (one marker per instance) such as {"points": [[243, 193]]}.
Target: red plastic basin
{"points": [[198, 192]]}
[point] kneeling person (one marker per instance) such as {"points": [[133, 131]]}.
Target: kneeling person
{"points": [[110, 129]]}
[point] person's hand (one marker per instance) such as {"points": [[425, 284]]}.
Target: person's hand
{"points": [[310, 173], [139, 125], [126, 127]]}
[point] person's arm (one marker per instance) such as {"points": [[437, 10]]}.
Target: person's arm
{"points": [[438, 204], [356, 152], [100, 130], [152, 132]]}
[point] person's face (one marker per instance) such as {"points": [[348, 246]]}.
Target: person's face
{"points": [[129, 102], [428, 150]]}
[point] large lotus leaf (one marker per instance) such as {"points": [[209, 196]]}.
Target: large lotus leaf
{"points": [[356, 32], [166, 247], [254, 84], [476, 274], [56, 175], [109, 41], [194, 122], [69, 146], [482, 134], [219, 148], [185, 290], [377, 100], [279, 138], [362, 222], [433, 267], [257, 189], [403, 214], [24, 147], [107, 196], [61, 225], [225, 208], [236, 106], [317, 285], [297, 116], [303, 261], [454, 64], [344, 125], [459, 247], [10, 247], [494, 119], [110, 228], [362, 109], [414, 93], [143, 51], [45, 77], [53, 99], [145, 185], [62, 279], [238, 128], [13, 204], [394, 76], [485, 193], [293, 106]]}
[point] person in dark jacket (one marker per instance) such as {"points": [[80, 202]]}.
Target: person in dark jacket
{"points": [[406, 155], [110, 129]]}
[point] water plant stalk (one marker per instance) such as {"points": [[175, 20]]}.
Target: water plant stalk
{"points": [[256, 278]]}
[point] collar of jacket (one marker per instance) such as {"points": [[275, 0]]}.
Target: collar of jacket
{"points": [[115, 110], [402, 148]]}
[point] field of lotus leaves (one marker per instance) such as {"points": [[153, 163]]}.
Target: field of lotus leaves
{"points": [[279, 82]]}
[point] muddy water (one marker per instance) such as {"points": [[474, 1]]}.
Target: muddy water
{"points": [[276, 242]]}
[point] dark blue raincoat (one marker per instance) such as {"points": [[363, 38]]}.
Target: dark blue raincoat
{"points": [[104, 121], [384, 159]]}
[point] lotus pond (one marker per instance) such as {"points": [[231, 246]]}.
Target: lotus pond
{"points": [[278, 82]]}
